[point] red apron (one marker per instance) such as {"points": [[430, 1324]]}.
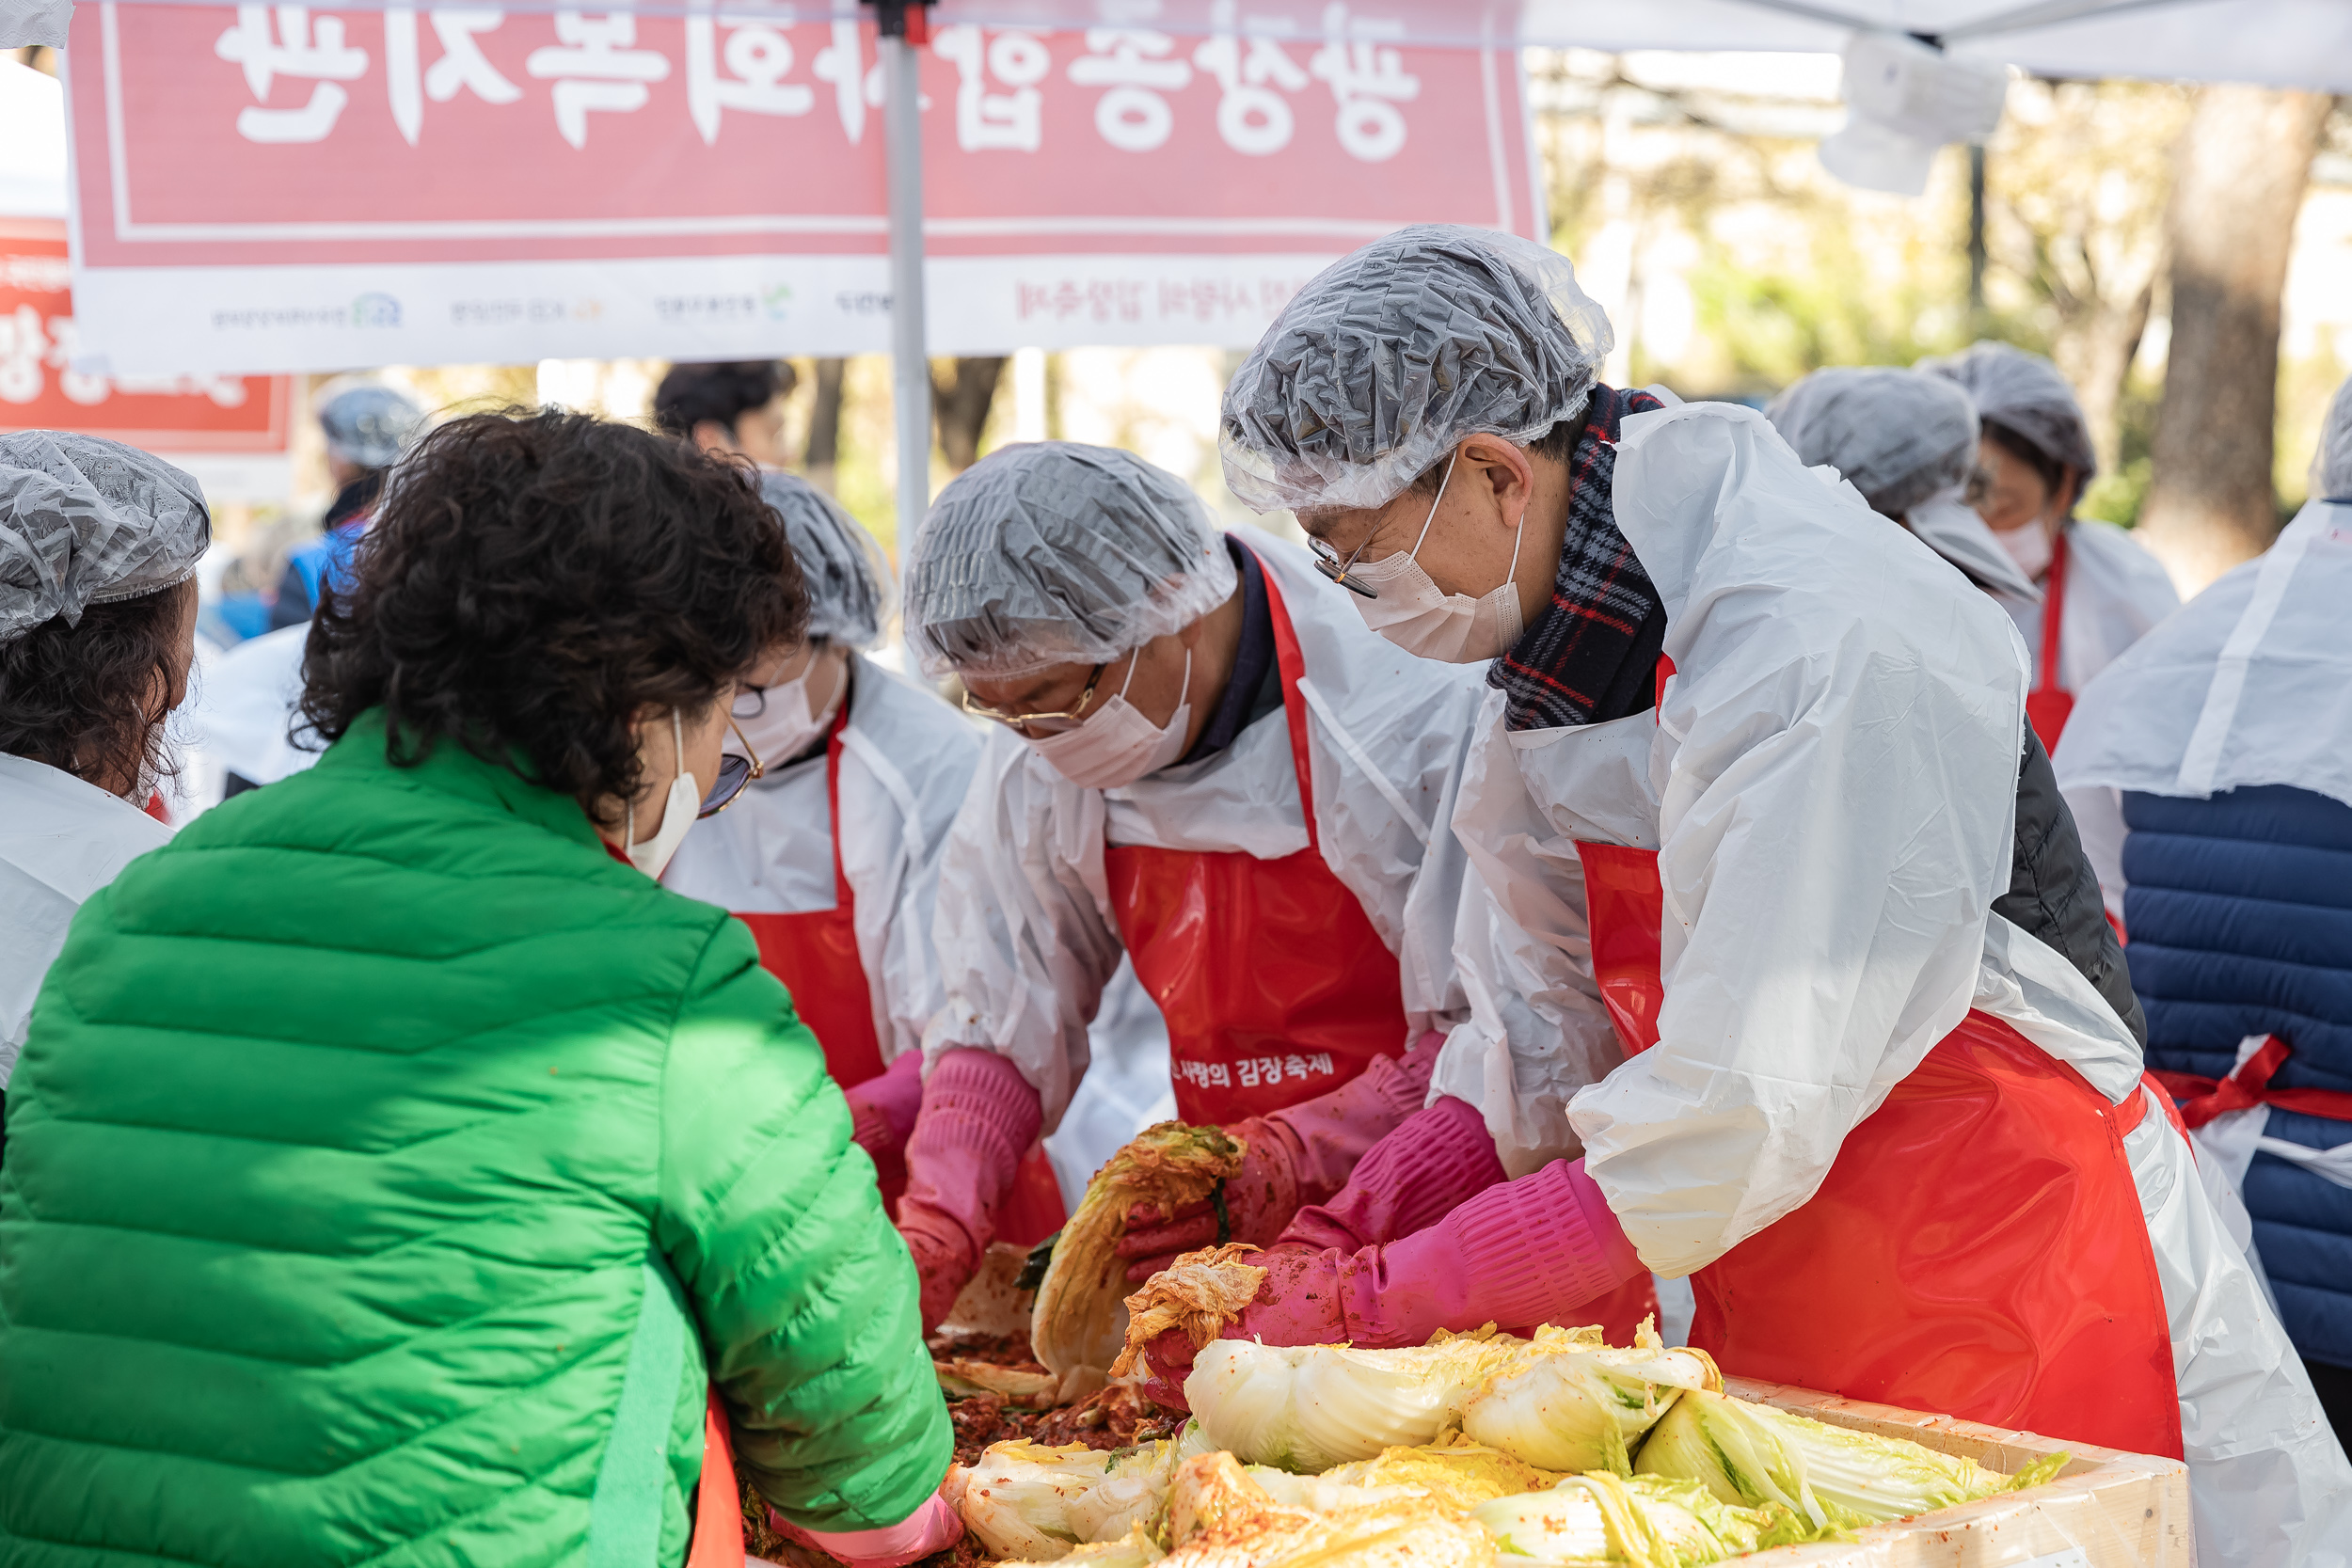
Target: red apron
{"points": [[718, 1539], [1978, 1248], [2049, 705], [1274, 984], [813, 952]]}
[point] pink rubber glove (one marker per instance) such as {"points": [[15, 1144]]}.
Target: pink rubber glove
{"points": [[979, 1114], [1437, 1160], [932, 1528], [1518, 1254], [883, 1110], [1302, 1154]]}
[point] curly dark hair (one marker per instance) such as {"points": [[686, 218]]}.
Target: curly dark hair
{"points": [[691, 393], [90, 699], [534, 581]]}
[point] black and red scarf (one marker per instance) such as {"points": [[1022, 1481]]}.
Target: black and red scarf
{"points": [[1592, 654]]}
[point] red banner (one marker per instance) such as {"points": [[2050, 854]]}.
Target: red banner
{"points": [[40, 390], [270, 185]]}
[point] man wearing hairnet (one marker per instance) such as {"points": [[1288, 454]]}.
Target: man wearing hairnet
{"points": [[830, 855], [1907, 443], [1199, 755], [367, 428], [2228, 732], [1754, 788]]}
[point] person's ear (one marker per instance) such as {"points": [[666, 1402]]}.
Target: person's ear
{"points": [[2070, 491], [710, 436], [1502, 471]]}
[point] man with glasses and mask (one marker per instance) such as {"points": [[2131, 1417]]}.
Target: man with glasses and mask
{"points": [[1200, 757], [832, 857], [1755, 788]]}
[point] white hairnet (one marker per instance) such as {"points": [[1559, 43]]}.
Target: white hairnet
{"points": [[1057, 553], [86, 521], [1898, 436], [849, 586], [2331, 466], [2023, 393], [1395, 353]]}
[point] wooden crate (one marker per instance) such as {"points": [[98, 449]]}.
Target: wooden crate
{"points": [[2107, 1509]]}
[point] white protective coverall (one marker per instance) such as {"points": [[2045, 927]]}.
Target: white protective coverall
{"points": [[60, 841], [239, 716], [1026, 935], [907, 763], [2115, 592], [907, 759], [1780, 1035]]}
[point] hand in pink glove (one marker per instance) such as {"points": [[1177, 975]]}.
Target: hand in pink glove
{"points": [[932, 1528], [1518, 1254], [883, 1110], [1299, 1156], [1436, 1158], [979, 1114]]}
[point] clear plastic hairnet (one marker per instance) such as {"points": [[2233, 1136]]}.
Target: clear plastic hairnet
{"points": [[1898, 436], [1395, 353], [849, 586], [2025, 393], [370, 425], [1057, 553], [2331, 469], [86, 521]]}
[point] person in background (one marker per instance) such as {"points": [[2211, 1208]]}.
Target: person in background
{"points": [[732, 407], [368, 427], [832, 856], [99, 545], [1185, 722], [1882, 1094], [530, 1212], [2228, 733], [2101, 589], [1908, 443]]}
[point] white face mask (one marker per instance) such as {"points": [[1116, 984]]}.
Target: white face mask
{"points": [[2029, 546], [776, 720], [686, 798], [1414, 614], [1119, 745]]}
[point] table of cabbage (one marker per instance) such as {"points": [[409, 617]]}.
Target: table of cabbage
{"points": [[1477, 1448]]}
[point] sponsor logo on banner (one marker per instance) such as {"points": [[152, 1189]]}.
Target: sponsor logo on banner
{"points": [[1118, 184]]}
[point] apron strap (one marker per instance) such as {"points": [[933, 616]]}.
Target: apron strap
{"points": [[2052, 614], [1294, 667], [832, 794]]}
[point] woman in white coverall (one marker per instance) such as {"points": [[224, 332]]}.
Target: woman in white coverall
{"points": [[98, 544], [1201, 758], [831, 856], [1882, 1100]]}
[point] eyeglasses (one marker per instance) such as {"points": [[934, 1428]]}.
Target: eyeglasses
{"points": [[1043, 723], [1327, 562], [734, 773]]}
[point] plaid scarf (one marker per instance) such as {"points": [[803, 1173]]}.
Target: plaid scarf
{"points": [[1592, 656]]}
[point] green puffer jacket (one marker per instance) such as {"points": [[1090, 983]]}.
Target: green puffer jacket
{"points": [[388, 1171]]}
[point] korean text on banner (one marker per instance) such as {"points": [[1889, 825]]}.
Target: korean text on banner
{"points": [[39, 389], [280, 188]]}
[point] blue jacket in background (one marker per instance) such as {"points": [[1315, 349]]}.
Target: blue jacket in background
{"points": [[2240, 914]]}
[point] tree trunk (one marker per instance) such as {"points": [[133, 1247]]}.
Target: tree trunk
{"points": [[823, 459], [2240, 170], [962, 405]]}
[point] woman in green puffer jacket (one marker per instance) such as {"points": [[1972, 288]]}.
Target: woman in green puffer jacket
{"points": [[394, 1167]]}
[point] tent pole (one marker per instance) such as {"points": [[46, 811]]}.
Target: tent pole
{"points": [[909, 363]]}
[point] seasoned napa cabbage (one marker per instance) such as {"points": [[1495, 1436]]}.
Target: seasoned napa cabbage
{"points": [[1643, 1521], [1585, 1409], [1307, 1407], [1078, 1321]]}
